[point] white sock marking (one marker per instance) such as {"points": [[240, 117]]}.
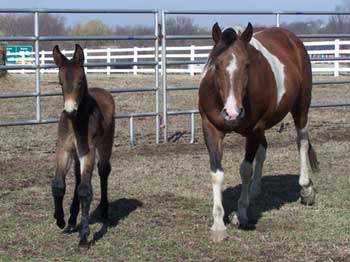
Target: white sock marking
{"points": [[218, 210], [303, 152]]}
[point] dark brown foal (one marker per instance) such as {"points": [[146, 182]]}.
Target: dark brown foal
{"points": [[250, 83], [86, 125]]}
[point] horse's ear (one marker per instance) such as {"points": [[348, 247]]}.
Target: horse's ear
{"points": [[248, 33], [216, 33], [78, 56], [58, 57]]}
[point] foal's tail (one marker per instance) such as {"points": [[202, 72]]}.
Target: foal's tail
{"points": [[314, 164]]}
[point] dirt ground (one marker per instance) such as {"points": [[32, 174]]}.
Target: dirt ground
{"points": [[160, 195]]}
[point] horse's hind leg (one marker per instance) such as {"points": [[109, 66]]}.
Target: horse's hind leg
{"points": [[246, 172], [306, 152], [63, 160], [255, 187], [75, 206]]}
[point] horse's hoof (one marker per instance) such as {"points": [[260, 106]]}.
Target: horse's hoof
{"points": [[60, 223], [308, 195], [240, 222], [83, 248], [218, 235], [83, 245]]}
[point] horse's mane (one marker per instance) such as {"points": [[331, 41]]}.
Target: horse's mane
{"points": [[228, 36]]}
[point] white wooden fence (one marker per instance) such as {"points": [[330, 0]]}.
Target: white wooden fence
{"points": [[323, 49]]}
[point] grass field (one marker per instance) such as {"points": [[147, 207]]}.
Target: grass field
{"points": [[160, 195]]}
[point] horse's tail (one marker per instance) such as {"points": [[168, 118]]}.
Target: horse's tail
{"points": [[314, 164]]}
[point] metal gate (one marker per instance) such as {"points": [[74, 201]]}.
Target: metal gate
{"points": [[159, 62]]}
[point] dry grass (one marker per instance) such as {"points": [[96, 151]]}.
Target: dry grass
{"points": [[161, 195]]}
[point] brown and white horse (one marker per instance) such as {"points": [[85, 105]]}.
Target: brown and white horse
{"points": [[86, 125], [250, 83]]}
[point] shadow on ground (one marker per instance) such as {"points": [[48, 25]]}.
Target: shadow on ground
{"points": [[118, 210], [276, 191]]}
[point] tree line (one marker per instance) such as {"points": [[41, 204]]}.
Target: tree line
{"points": [[55, 25]]}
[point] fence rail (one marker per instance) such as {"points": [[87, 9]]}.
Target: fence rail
{"points": [[329, 57]]}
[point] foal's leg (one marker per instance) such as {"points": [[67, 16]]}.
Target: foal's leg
{"points": [[85, 194], [246, 172], [104, 168], [213, 139], [75, 206], [104, 149], [63, 160], [255, 187]]}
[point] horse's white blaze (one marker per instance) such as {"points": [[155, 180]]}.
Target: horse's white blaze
{"points": [[218, 210], [276, 66], [231, 103], [303, 151], [70, 106]]}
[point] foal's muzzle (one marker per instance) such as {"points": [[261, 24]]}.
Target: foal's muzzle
{"points": [[232, 121]]}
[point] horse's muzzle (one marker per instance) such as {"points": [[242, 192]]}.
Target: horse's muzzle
{"points": [[72, 114], [228, 120]]}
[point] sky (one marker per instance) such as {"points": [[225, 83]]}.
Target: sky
{"points": [[183, 5]]}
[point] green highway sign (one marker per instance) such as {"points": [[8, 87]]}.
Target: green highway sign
{"points": [[14, 54]]}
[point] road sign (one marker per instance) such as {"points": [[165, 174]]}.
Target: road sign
{"points": [[18, 54]]}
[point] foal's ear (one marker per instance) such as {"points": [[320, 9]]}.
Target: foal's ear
{"points": [[216, 33], [78, 56], [58, 57], [248, 33]]}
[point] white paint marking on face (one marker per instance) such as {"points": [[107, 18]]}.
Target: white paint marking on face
{"points": [[70, 106], [231, 103], [276, 66]]}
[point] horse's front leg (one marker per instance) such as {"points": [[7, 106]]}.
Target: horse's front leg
{"points": [[246, 172], [63, 160], [87, 162], [213, 139]]}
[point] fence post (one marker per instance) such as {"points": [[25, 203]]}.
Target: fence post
{"points": [[108, 60], [42, 59], [86, 59], [135, 60], [191, 67], [336, 55]]}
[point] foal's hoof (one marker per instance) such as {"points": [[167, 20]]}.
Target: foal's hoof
{"points": [[308, 196], [241, 223], [60, 223], [218, 235], [70, 229]]}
